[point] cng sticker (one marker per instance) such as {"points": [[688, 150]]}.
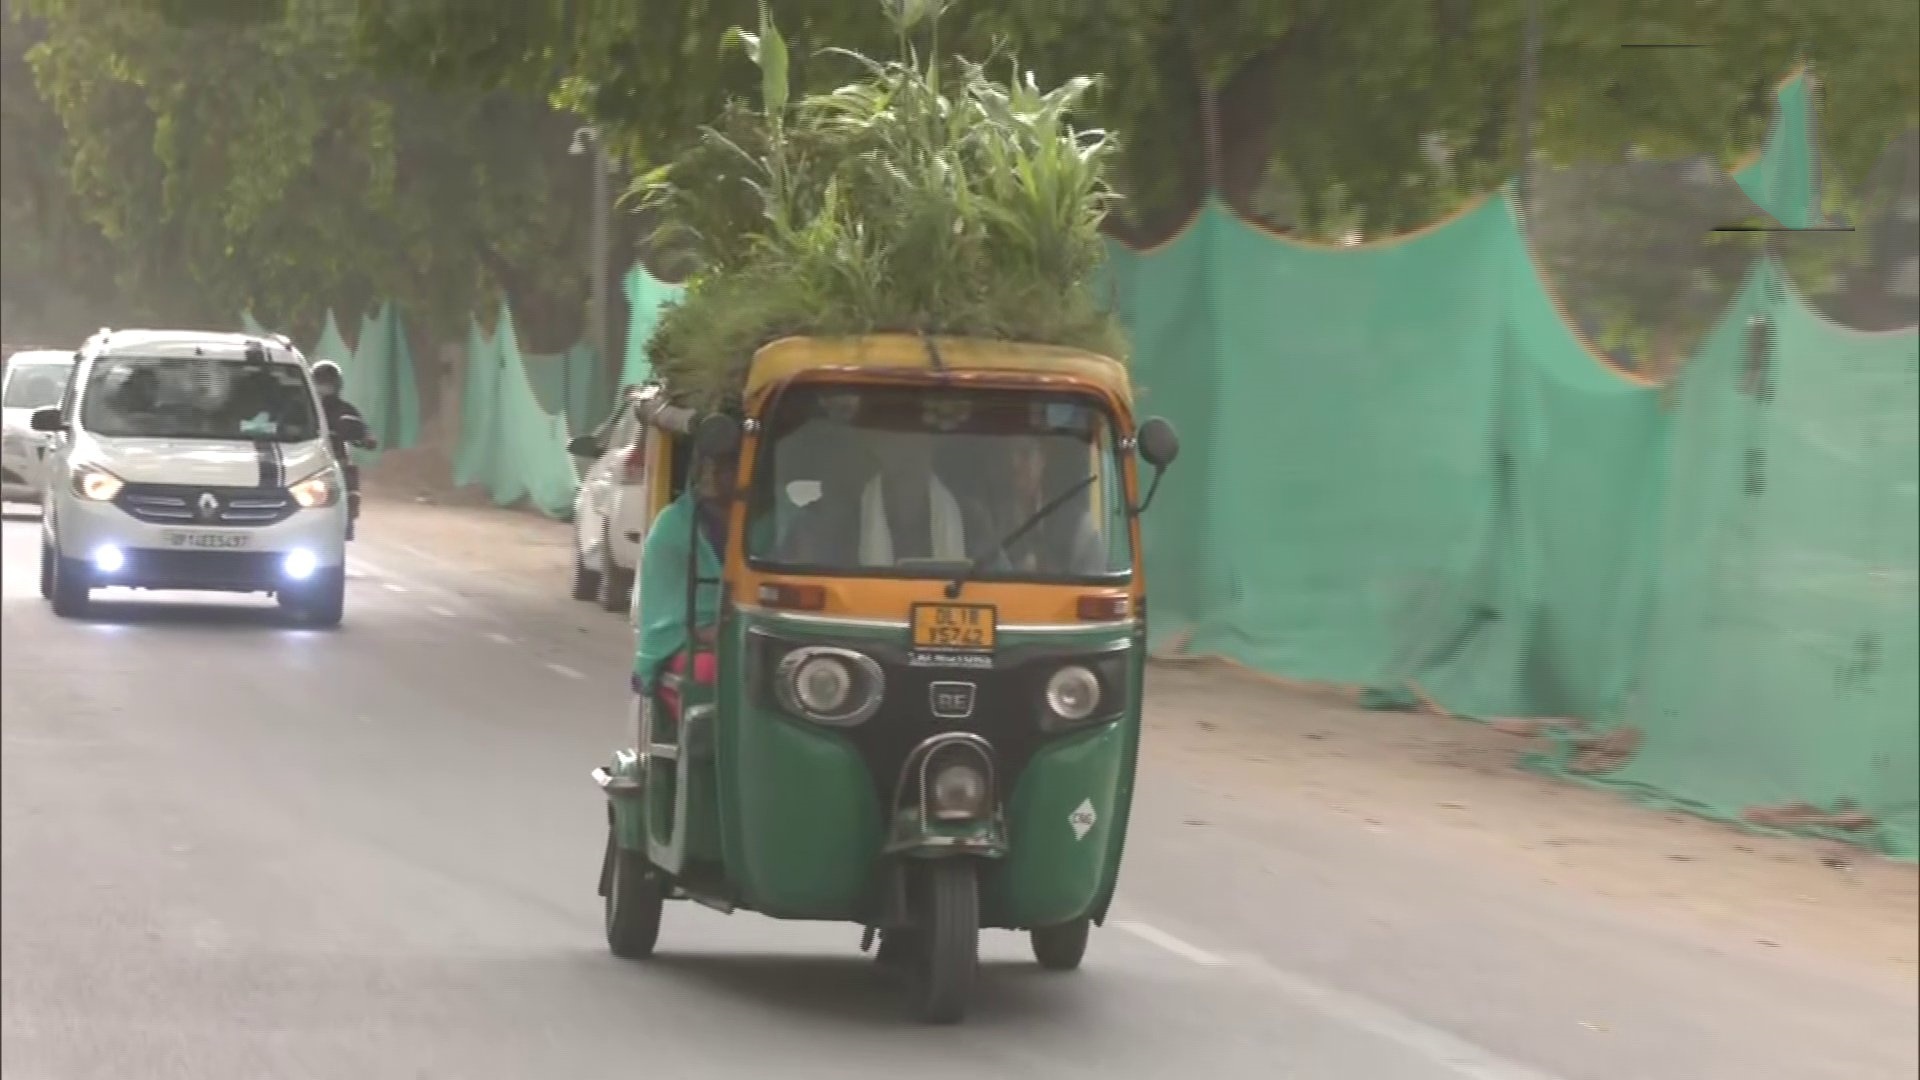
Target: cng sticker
{"points": [[1082, 819]]}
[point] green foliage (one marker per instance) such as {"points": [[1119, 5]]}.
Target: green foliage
{"points": [[57, 271], [241, 156], [1349, 94], [919, 198]]}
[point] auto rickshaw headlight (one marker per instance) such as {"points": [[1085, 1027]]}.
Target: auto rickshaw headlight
{"points": [[829, 686], [1073, 693], [959, 793], [823, 685]]}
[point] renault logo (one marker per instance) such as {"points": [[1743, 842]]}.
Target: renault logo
{"points": [[209, 505]]}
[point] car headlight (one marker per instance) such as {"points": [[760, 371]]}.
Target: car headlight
{"points": [[95, 483], [316, 491], [1073, 693], [829, 686]]}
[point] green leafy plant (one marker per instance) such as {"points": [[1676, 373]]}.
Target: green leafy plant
{"points": [[919, 197]]}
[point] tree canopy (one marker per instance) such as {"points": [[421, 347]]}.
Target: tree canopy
{"points": [[1346, 100], [240, 155], [202, 156]]}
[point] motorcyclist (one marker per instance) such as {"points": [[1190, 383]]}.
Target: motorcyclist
{"points": [[328, 378]]}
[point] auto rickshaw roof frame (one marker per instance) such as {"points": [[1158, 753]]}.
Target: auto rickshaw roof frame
{"points": [[907, 354]]}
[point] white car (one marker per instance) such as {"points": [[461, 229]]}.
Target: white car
{"points": [[34, 379], [195, 461], [609, 512]]}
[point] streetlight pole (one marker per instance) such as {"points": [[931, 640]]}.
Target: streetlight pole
{"points": [[587, 139]]}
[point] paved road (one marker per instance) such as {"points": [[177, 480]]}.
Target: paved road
{"points": [[235, 850]]}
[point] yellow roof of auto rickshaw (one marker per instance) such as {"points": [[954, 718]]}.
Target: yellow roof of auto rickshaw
{"points": [[780, 360]]}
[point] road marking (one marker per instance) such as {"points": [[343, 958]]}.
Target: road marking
{"points": [[393, 586], [562, 669], [1456, 1055], [500, 639], [1461, 1059], [445, 613], [1155, 936]]}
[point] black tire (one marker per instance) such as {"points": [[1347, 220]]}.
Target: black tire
{"points": [[1062, 947], [949, 939], [46, 569], [898, 950], [72, 594], [586, 583], [321, 603], [616, 585], [633, 904]]}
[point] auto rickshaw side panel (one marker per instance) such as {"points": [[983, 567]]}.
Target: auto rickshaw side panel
{"points": [[799, 823], [1066, 819]]}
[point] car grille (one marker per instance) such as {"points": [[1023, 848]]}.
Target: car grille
{"points": [[173, 504]]}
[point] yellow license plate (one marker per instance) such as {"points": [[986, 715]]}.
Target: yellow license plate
{"points": [[957, 627]]}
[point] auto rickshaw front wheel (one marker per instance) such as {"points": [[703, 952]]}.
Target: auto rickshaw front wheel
{"points": [[633, 903], [1062, 947], [948, 937]]}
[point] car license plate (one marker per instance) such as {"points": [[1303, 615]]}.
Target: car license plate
{"points": [[954, 627], [216, 541]]}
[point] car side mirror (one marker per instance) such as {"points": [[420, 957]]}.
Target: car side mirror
{"points": [[584, 446], [48, 419], [717, 435], [350, 428]]}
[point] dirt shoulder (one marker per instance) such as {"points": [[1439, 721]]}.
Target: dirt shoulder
{"points": [[1447, 782], [1460, 784]]}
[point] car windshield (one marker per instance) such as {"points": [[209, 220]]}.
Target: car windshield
{"points": [[198, 397], [35, 386], [919, 482]]}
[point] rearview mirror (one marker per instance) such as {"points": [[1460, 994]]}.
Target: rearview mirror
{"points": [[584, 446], [717, 435], [1159, 443], [48, 420]]}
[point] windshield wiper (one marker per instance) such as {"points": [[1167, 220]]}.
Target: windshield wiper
{"points": [[960, 581]]}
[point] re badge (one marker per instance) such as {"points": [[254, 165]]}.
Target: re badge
{"points": [[1082, 819]]}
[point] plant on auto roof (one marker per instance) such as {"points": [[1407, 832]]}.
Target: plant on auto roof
{"points": [[921, 197]]}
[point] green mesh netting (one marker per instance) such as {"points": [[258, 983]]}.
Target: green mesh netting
{"points": [[645, 296], [378, 374], [380, 379], [1403, 472], [509, 442], [1782, 181], [574, 379], [1780, 661], [332, 346]]}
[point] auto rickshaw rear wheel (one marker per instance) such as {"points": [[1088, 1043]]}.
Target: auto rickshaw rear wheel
{"points": [[1062, 947], [948, 937], [633, 903]]}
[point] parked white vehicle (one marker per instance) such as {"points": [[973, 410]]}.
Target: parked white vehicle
{"points": [[609, 512], [34, 379], [193, 461]]}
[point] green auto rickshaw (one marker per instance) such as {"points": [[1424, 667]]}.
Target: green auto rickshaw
{"points": [[926, 640]]}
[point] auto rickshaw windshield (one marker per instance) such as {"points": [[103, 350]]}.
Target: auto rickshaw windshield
{"points": [[919, 482]]}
